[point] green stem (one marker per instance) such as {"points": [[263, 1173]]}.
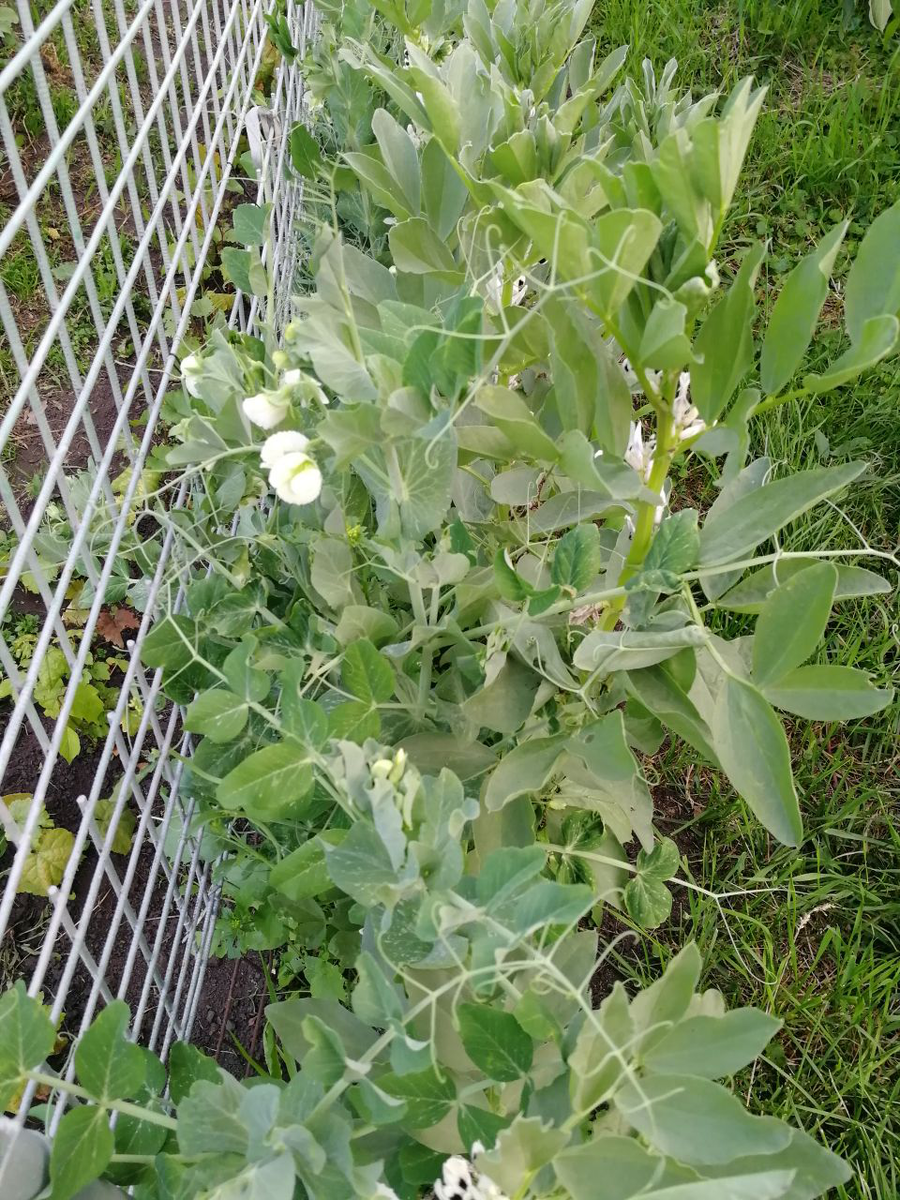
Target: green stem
{"points": [[123, 1106], [646, 512]]}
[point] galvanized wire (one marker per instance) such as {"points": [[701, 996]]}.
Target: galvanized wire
{"points": [[170, 91]]}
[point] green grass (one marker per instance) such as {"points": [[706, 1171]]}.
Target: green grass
{"points": [[813, 935]]}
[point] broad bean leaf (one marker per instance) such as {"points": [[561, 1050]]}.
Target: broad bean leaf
{"points": [[828, 693], [792, 623], [796, 312], [753, 751], [738, 529], [725, 342], [873, 284]]}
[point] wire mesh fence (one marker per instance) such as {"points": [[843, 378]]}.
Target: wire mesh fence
{"points": [[128, 129]]}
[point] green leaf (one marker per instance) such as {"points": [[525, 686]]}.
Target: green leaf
{"points": [[171, 643], [662, 862], [26, 1038], [219, 714], [796, 312], [416, 251], [246, 681], [792, 623], [524, 770], [495, 1041], [648, 901], [306, 158], [666, 1001], [210, 1119], [354, 721], [607, 1167], [251, 223], [754, 754], [663, 696], [399, 155], [187, 1065], [479, 1125], [873, 285], [750, 595], [244, 269], [443, 192], [267, 783], [302, 718], [331, 573], [825, 693], [676, 545], [465, 758], [739, 528], [761, 1185], [108, 1065], [725, 342], [577, 559], [695, 1121], [82, 1148], [366, 674], [590, 387], [428, 1096], [621, 244], [303, 872], [361, 866], [515, 420], [712, 1047], [606, 651], [360, 621], [878, 339]]}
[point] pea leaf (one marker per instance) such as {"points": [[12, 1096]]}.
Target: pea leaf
{"points": [[26, 1038], [792, 623], [695, 1121], [306, 158], [187, 1065], [81, 1151], [366, 674], [303, 872], [648, 901], [428, 1096], [416, 250], [796, 312], [577, 559], [495, 1041], [267, 783], [250, 223], [219, 714], [108, 1065], [754, 754], [354, 721], [712, 1047]]}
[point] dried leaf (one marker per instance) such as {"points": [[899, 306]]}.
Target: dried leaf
{"points": [[111, 624]]}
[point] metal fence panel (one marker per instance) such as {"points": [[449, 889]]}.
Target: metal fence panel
{"points": [[123, 126]]}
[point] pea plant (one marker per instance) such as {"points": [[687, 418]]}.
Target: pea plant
{"points": [[437, 594]]}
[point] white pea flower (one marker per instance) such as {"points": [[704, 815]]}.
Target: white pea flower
{"points": [[381, 768], [192, 374], [296, 479], [289, 441], [265, 409], [309, 389]]}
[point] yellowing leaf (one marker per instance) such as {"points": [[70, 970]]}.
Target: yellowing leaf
{"points": [[46, 864]]}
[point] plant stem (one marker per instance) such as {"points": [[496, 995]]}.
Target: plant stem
{"points": [[646, 514], [123, 1106]]}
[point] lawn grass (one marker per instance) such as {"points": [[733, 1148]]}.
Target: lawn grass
{"points": [[812, 936]]}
